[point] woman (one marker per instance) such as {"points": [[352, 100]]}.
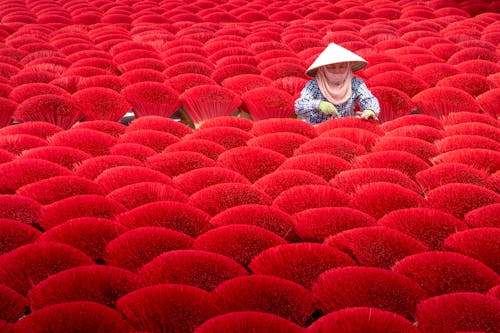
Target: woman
{"points": [[334, 90]]}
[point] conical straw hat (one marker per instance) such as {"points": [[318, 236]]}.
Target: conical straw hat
{"points": [[334, 54]]}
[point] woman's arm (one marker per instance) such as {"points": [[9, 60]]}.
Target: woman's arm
{"points": [[367, 101], [307, 105]]}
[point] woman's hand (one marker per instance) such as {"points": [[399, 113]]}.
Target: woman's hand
{"points": [[328, 108], [367, 114]]}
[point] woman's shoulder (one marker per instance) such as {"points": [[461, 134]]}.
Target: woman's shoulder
{"points": [[357, 82], [311, 84]]}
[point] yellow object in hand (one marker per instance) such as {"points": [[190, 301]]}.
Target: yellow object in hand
{"points": [[367, 114], [328, 108]]}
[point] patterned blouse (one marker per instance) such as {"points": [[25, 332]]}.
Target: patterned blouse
{"points": [[307, 105]]}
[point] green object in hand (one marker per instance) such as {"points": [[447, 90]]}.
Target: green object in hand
{"points": [[328, 108], [367, 114]]}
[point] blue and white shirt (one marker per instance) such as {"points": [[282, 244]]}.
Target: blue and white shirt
{"points": [[307, 105]]}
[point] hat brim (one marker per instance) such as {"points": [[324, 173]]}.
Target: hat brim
{"points": [[334, 54], [355, 66]]}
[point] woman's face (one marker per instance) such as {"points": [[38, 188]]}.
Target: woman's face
{"points": [[337, 73], [339, 68]]}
